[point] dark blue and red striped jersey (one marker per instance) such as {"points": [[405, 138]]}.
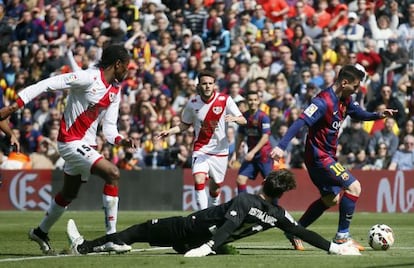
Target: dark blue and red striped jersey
{"points": [[324, 117], [257, 125]]}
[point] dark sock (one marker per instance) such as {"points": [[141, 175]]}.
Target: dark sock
{"points": [[314, 211], [346, 211]]}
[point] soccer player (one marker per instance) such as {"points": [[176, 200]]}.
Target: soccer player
{"points": [[93, 97], [209, 112], [324, 117], [203, 232], [257, 132]]}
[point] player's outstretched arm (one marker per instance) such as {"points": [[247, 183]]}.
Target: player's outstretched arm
{"points": [[174, 130], [6, 111], [317, 240]]}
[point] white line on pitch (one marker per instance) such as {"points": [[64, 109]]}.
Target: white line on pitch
{"points": [[69, 255]]}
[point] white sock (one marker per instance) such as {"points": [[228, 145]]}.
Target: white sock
{"points": [[52, 216], [201, 198], [342, 235], [110, 204]]}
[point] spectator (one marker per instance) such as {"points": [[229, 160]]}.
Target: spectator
{"points": [[291, 73], [387, 136], [72, 26], [351, 34], [52, 31], [261, 68], [114, 32], [55, 61], [342, 50], [244, 25], [113, 13], [383, 28], [258, 18], [24, 35], [381, 160], [321, 13], [195, 17], [181, 99], [403, 159], [406, 32], [162, 107], [361, 160], [6, 31], [30, 138], [218, 39], [371, 61], [338, 12], [162, 24], [394, 61], [42, 113], [328, 54], [390, 102], [408, 129], [276, 11], [87, 22], [52, 120], [40, 159]]}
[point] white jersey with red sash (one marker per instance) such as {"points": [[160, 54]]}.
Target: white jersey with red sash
{"points": [[209, 123], [91, 100]]}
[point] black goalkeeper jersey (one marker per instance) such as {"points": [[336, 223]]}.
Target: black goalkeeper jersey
{"points": [[244, 215], [248, 215]]}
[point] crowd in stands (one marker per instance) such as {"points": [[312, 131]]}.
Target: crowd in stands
{"points": [[287, 50]]}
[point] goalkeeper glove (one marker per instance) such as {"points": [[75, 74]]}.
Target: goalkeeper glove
{"points": [[201, 251], [344, 249]]}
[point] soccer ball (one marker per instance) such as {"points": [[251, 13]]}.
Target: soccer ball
{"points": [[380, 237]]}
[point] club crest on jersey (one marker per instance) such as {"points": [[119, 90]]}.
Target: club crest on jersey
{"points": [[311, 110], [112, 96], [345, 176], [217, 109], [70, 78]]}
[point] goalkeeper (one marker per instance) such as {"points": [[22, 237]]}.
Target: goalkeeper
{"points": [[203, 232]]}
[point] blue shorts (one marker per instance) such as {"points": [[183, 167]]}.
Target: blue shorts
{"points": [[250, 169], [330, 178]]}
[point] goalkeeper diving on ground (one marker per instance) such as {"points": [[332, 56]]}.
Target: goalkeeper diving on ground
{"points": [[203, 232]]}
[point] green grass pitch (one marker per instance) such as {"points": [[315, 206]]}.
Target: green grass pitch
{"points": [[267, 249]]}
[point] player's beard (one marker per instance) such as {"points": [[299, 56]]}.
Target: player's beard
{"points": [[206, 97]]}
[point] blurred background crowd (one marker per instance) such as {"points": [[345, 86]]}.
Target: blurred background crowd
{"points": [[287, 50]]}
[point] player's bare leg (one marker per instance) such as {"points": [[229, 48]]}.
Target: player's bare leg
{"points": [[200, 192], [214, 190], [241, 182], [69, 192]]}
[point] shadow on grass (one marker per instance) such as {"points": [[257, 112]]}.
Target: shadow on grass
{"points": [[411, 264]]}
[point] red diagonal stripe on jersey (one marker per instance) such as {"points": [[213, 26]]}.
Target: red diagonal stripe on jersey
{"points": [[83, 122], [210, 122]]}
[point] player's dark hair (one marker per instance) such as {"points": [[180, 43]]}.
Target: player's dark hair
{"points": [[208, 73], [278, 182], [251, 92], [350, 73], [111, 54]]}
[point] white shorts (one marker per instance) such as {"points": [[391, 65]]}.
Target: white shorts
{"points": [[214, 166], [79, 158]]}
